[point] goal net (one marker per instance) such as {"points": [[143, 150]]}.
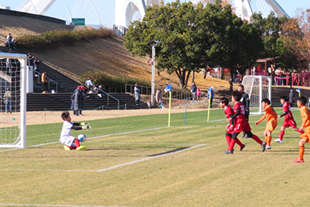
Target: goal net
{"points": [[258, 88], [13, 100]]}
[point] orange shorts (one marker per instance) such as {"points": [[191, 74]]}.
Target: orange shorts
{"points": [[271, 125], [306, 135]]}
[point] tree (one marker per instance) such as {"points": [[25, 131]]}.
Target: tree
{"points": [[238, 43], [295, 44], [184, 39], [270, 33]]}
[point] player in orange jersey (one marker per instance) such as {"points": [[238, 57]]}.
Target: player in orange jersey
{"points": [[305, 137], [271, 117]]}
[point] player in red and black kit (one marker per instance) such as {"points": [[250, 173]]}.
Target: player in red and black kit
{"points": [[229, 112], [241, 124], [288, 118]]}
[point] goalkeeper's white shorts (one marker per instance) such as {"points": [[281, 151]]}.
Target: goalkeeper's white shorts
{"points": [[67, 140]]}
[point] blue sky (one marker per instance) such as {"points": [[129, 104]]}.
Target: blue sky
{"points": [[58, 9]]}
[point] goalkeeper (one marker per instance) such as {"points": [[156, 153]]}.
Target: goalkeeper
{"points": [[69, 141]]}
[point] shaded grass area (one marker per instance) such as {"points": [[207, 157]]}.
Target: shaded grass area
{"points": [[202, 176]]}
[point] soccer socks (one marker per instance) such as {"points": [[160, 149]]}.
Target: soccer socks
{"points": [[257, 139], [232, 144], [228, 138], [281, 135], [300, 131], [268, 140], [301, 152], [238, 142], [77, 143]]}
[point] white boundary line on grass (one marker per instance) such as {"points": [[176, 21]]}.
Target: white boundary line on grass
{"points": [[148, 158]]}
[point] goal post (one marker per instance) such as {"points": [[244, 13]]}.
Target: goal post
{"points": [[13, 73], [257, 87]]}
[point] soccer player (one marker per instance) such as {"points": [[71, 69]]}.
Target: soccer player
{"points": [[229, 111], [271, 117], [288, 118], [69, 141], [305, 137], [241, 124], [246, 103]]}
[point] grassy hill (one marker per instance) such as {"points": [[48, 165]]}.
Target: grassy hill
{"points": [[23, 25], [110, 56]]}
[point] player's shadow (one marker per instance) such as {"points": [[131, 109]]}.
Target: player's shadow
{"points": [[169, 152]]}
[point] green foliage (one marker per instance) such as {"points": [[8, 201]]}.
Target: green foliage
{"points": [[61, 37], [194, 36], [115, 83]]}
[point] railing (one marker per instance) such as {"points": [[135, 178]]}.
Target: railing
{"points": [[49, 81], [108, 95], [129, 88]]}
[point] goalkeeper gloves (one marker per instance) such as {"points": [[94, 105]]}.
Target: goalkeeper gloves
{"points": [[86, 126]]}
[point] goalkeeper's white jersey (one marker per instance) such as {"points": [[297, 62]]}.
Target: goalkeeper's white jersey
{"points": [[66, 129], [65, 136]]}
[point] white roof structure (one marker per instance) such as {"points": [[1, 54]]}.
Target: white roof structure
{"points": [[122, 12]]}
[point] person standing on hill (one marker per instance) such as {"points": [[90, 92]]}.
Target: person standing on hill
{"points": [[137, 94], [159, 98], [44, 82], [193, 91]]}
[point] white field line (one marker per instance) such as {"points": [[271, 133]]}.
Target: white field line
{"points": [[109, 168], [148, 158]]}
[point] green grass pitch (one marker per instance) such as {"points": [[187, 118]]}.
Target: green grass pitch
{"points": [[139, 161]]}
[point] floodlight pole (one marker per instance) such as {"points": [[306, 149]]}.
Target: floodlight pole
{"points": [[153, 74]]}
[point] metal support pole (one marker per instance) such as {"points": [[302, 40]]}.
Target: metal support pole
{"points": [[153, 74]]}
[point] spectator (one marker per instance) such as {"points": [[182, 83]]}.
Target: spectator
{"points": [[81, 99], [7, 99], [44, 82], [100, 92], [211, 95], [76, 100], [137, 94], [193, 91], [198, 93], [88, 82], [159, 98], [30, 59], [10, 42], [36, 63]]}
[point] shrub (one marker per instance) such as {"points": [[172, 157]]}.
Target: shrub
{"points": [[114, 83], [59, 37]]}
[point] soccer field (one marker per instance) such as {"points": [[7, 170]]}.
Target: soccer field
{"points": [[139, 161]]}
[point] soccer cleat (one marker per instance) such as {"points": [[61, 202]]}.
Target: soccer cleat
{"points": [[241, 148], [67, 148], [268, 147], [243, 136], [229, 152], [264, 146], [278, 140], [298, 161], [80, 148]]}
